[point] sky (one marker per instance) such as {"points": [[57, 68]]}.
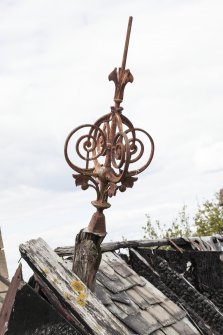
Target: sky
{"points": [[54, 63]]}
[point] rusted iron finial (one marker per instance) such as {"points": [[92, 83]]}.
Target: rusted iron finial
{"points": [[109, 147]]}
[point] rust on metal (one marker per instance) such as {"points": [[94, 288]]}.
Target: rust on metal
{"points": [[112, 149], [9, 300]]}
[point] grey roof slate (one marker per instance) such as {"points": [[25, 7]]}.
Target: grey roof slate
{"points": [[68, 294], [141, 307], [138, 304]]}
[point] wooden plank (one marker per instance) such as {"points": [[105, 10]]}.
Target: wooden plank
{"points": [[9, 300], [59, 307], [112, 246], [70, 291]]}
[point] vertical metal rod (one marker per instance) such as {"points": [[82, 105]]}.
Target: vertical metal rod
{"points": [[124, 58]]}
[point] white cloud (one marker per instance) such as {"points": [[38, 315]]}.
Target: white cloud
{"points": [[209, 157], [54, 64]]}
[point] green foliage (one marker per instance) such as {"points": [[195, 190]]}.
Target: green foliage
{"points": [[151, 231], [209, 218], [179, 227]]}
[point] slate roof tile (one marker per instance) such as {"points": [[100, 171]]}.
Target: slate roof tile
{"points": [[117, 311], [158, 332], [154, 291], [140, 325], [128, 282], [185, 327], [103, 295], [137, 307], [173, 309], [147, 295], [151, 320], [138, 299], [113, 285], [136, 280], [108, 271], [122, 269], [131, 309], [170, 331], [121, 297], [161, 315], [110, 257], [69, 294], [136, 302]]}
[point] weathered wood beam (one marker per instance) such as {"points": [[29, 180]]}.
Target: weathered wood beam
{"points": [[87, 257], [70, 290], [112, 246]]}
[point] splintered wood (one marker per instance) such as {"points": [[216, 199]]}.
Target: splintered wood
{"points": [[87, 257], [69, 289]]}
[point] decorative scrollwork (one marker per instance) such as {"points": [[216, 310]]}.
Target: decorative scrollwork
{"points": [[120, 150], [110, 147], [92, 144], [137, 149], [120, 155]]}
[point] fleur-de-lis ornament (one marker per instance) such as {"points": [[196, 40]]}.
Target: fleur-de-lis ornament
{"points": [[110, 148]]}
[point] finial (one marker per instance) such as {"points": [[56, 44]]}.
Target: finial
{"points": [[110, 148], [122, 76]]}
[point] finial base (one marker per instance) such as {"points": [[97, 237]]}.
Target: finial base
{"points": [[97, 224]]}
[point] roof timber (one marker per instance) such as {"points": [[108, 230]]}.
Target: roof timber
{"points": [[200, 243], [69, 290], [112, 246]]}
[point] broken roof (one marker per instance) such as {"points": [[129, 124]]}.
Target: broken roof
{"points": [[136, 302], [190, 274], [202, 243], [125, 303], [148, 297]]}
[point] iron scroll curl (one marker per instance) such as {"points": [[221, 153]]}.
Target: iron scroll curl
{"points": [[123, 151], [110, 153]]}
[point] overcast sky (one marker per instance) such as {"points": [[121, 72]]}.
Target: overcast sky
{"points": [[54, 61]]}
